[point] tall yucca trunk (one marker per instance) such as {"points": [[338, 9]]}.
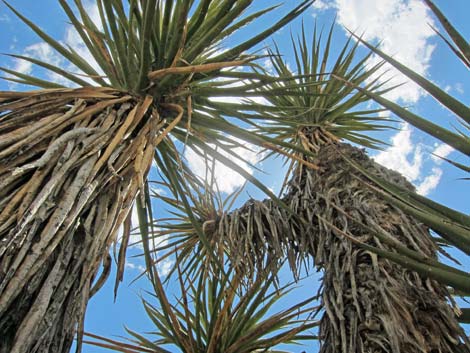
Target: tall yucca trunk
{"points": [[371, 304], [71, 165]]}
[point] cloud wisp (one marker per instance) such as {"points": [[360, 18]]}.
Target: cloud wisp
{"points": [[44, 52], [401, 27], [227, 180], [410, 159]]}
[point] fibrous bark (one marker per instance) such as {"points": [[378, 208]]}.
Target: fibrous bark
{"points": [[371, 304], [71, 165]]}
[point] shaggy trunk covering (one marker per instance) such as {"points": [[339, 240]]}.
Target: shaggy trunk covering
{"points": [[371, 304]]}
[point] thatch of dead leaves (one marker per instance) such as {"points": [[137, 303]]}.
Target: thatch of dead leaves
{"points": [[384, 289], [73, 161]]}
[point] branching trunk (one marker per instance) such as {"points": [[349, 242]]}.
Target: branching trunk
{"points": [[71, 165], [371, 304]]}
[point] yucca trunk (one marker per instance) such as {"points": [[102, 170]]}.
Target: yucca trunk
{"points": [[371, 304], [71, 165]]}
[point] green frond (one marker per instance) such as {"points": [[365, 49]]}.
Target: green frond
{"points": [[458, 44], [162, 49], [135, 39], [218, 313], [148, 94], [310, 97], [461, 49]]}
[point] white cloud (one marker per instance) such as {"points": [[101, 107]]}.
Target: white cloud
{"points": [[14, 42], [165, 267], [408, 158], [41, 51], [23, 67], [402, 156], [430, 182], [4, 18], [441, 150], [402, 28], [268, 65], [156, 190], [459, 88], [238, 99], [322, 5], [134, 266], [44, 52], [73, 39], [227, 180]]}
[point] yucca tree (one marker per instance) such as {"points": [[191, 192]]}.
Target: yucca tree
{"points": [[217, 314], [215, 309], [452, 226], [371, 303], [330, 213], [73, 160]]}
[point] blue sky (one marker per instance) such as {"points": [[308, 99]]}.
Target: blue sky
{"points": [[401, 26]]}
